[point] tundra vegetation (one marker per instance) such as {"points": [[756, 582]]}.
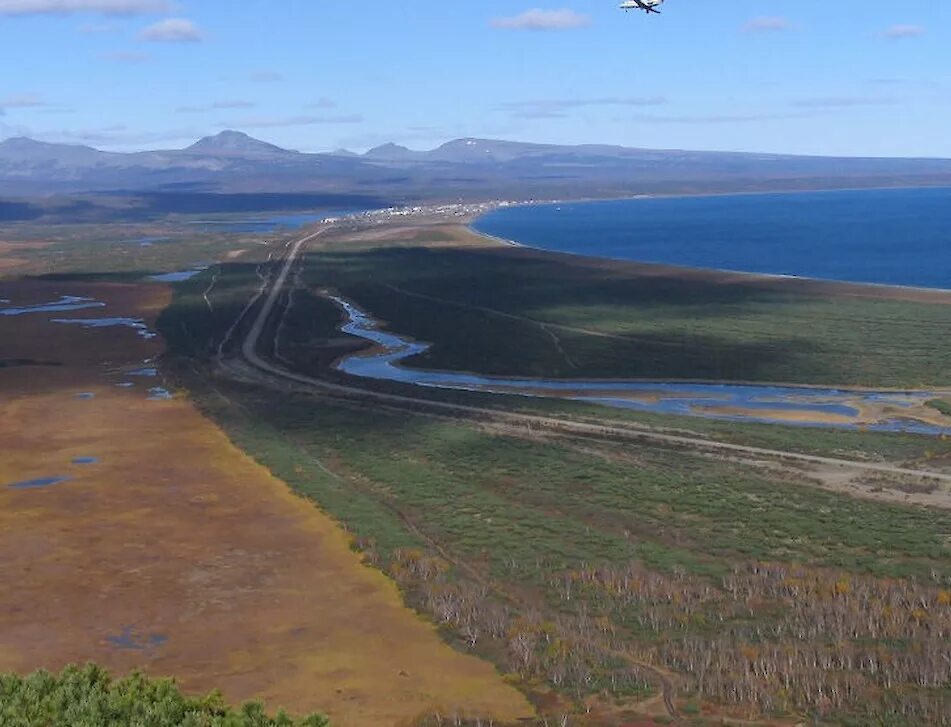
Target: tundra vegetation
{"points": [[603, 577]]}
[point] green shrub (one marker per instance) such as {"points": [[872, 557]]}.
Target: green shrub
{"points": [[89, 697], [942, 406]]}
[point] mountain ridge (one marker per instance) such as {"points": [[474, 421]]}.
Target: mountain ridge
{"points": [[236, 143], [469, 167], [461, 150]]}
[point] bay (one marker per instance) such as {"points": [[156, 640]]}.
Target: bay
{"points": [[889, 237]]}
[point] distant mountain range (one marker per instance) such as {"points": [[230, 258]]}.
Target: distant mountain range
{"points": [[234, 163]]}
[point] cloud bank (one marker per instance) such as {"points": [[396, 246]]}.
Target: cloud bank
{"points": [[265, 75], [769, 24], [126, 57], [72, 7], [22, 101], [216, 106], [559, 108], [538, 19], [844, 102], [901, 32], [278, 122], [172, 30]]}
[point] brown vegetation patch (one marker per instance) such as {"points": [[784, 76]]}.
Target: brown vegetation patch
{"points": [[779, 415], [9, 250], [6, 246], [178, 554]]}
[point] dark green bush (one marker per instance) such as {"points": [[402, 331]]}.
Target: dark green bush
{"points": [[89, 697]]}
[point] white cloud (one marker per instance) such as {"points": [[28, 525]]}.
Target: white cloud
{"points": [[769, 24], [717, 118], [538, 19], [22, 101], [901, 32], [172, 30], [97, 28], [126, 57], [70, 7], [843, 102], [233, 104], [265, 75], [322, 103]]}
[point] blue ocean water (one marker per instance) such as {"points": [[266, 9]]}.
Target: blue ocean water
{"points": [[892, 237]]}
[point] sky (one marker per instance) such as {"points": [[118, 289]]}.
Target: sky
{"points": [[830, 77]]}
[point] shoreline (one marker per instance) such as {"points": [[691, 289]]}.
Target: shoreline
{"points": [[722, 271], [470, 226]]}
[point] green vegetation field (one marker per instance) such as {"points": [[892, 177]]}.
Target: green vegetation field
{"points": [[513, 312], [580, 569], [120, 251], [195, 331]]}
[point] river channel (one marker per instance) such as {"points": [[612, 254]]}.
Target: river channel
{"points": [[886, 411]]}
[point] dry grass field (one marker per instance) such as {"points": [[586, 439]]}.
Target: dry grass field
{"points": [[10, 252], [171, 550]]}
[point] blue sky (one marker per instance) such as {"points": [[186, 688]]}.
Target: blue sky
{"points": [[848, 77]]}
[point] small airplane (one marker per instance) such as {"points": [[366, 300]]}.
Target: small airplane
{"points": [[648, 6]]}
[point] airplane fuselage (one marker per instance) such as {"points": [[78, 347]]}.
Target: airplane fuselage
{"points": [[648, 6]]}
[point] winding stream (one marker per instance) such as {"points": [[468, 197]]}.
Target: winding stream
{"points": [[800, 406]]}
